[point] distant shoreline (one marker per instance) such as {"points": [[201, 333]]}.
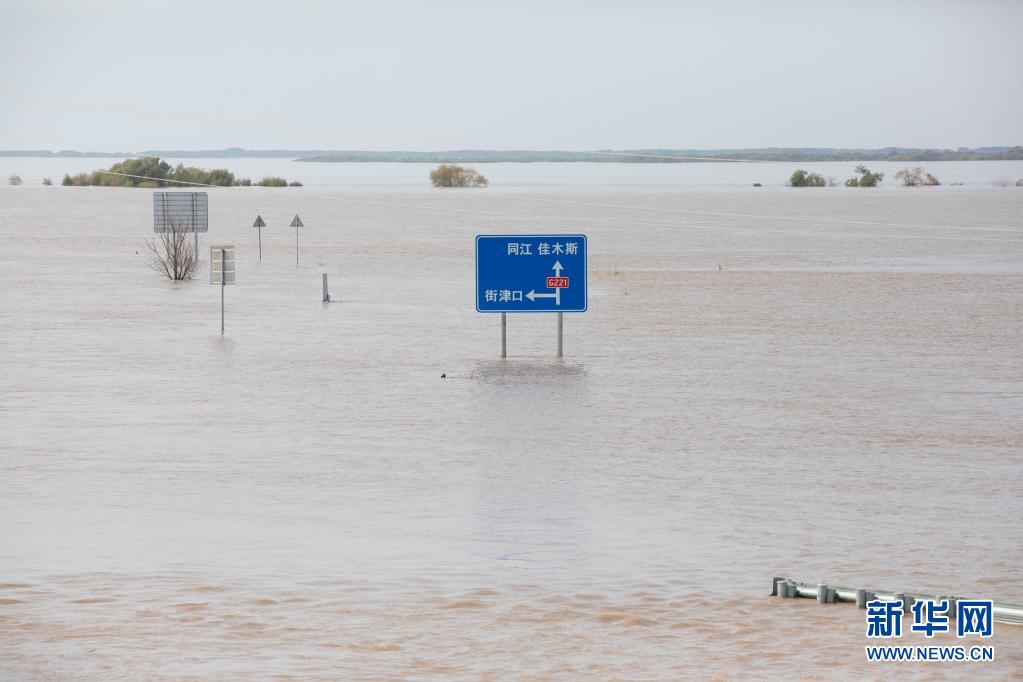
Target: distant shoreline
{"points": [[767, 154]]}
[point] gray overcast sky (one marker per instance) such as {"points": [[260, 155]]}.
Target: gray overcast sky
{"points": [[540, 75]]}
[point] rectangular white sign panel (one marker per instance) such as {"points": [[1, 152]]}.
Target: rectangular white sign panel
{"points": [[222, 269], [187, 211]]}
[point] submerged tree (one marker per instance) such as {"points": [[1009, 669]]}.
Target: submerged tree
{"points": [[911, 177], [451, 175], [914, 177], [866, 179], [171, 253], [801, 178], [151, 172]]}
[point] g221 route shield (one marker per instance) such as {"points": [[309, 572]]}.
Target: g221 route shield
{"points": [[531, 273]]}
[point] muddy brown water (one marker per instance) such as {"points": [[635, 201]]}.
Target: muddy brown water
{"points": [[826, 386]]}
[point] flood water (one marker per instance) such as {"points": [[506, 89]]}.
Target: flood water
{"points": [[819, 384]]}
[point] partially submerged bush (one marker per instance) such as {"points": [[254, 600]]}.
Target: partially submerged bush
{"points": [[914, 177], [150, 171], [273, 181], [450, 175], [803, 179], [47, 182], [14, 179], [866, 179]]}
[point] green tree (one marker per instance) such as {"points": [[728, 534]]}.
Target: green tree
{"points": [[220, 177], [451, 175], [151, 172], [801, 178], [865, 179], [141, 168]]}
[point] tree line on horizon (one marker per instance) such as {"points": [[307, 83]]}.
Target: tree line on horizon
{"points": [[659, 155]]}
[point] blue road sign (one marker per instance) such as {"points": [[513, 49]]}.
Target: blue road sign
{"points": [[531, 273]]}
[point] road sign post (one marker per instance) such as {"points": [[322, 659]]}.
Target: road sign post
{"points": [[222, 273], [504, 335], [531, 274], [296, 223], [259, 225], [561, 329]]}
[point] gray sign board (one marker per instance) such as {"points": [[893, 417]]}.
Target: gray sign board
{"points": [[222, 264], [186, 211]]}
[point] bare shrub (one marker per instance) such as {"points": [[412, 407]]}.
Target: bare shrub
{"points": [[47, 182], [914, 177], [14, 179], [911, 177], [1019, 183], [1001, 182], [171, 253]]}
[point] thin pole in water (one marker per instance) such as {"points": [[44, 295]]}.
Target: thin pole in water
{"points": [[561, 321], [296, 223], [223, 279], [504, 335], [260, 230]]}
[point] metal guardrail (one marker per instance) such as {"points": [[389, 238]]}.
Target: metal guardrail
{"points": [[1001, 612]]}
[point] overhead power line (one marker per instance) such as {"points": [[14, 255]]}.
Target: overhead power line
{"points": [[144, 177]]}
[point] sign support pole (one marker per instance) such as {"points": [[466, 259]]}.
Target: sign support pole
{"points": [[296, 223], [504, 335], [561, 324], [223, 278], [260, 232]]}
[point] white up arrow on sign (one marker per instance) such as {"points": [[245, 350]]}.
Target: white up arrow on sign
{"points": [[532, 295]]}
